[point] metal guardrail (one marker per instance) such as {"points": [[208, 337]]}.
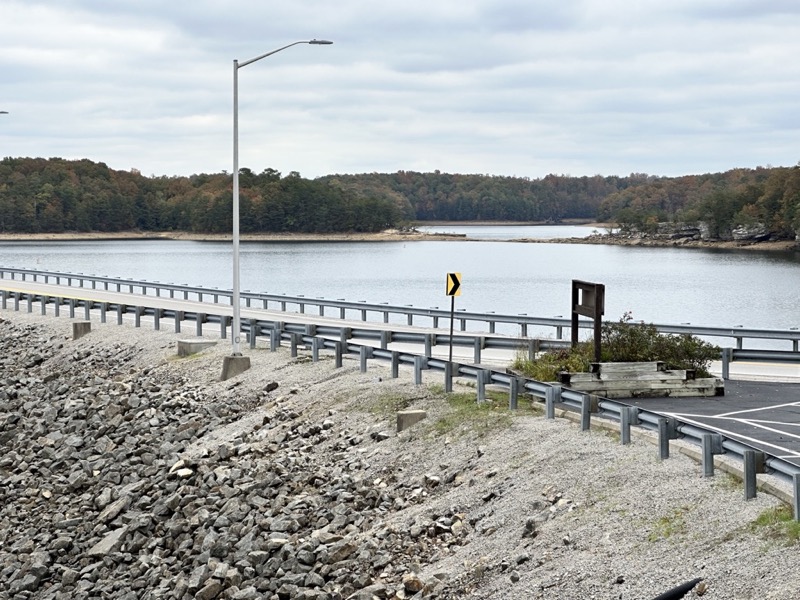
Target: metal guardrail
{"points": [[710, 441], [487, 321]]}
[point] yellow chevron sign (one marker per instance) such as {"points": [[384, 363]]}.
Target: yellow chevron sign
{"points": [[454, 284]]}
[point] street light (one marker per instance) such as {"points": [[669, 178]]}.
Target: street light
{"points": [[236, 362]]}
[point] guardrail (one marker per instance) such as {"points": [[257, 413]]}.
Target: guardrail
{"points": [[585, 405], [343, 309]]}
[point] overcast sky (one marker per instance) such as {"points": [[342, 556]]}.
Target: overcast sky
{"points": [[501, 87]]}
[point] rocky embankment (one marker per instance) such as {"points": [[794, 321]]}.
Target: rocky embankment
{"points": [[126, 473]]}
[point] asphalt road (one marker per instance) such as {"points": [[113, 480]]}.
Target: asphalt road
{"points": [[763, 415]]}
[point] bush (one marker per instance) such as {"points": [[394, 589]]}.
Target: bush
{"points": [[625, 341]]}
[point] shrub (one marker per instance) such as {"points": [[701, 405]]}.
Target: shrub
{"points": [[625, 341]]}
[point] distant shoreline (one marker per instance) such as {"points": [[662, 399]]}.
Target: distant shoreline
{"points": [[394, 235]]}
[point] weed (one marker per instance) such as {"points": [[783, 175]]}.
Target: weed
{"points": [[778, 524], [669, 525]]}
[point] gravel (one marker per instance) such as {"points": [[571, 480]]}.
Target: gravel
{"points": [[126, 472]]}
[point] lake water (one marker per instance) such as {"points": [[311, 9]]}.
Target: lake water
{"points": [[659, 285]]}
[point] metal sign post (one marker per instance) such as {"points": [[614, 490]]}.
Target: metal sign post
{"points": [[453, 289]]}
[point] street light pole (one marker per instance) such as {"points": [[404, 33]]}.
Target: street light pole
{"points": [[236, 324]]}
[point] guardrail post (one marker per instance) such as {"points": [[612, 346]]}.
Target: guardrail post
{"points": [[385, 316], [30, 303], [551, 396], [481, 384], [796, 495], [223, 327], [749, 474], [463, 324], [178, 314], [157, 319], [586, 412], [44, 304], [137, 319], [253, 333], [395, 364], [3, 301], [337, 354], [533, 348], [428, 344], [87, 305], [293, 345], [386, 339], [477, 350], [523, 330], [420, 363], [712, 444], [345, 333], [410, 319], [448, 377], [435, 322], [341, 312], [663, 439], [365, 352], [738, 343], [16, 301], [200, 318], [625, 425], [513, 392], [314, 349], [103, 310], [72, 308], [727, 355], [274, 339], [120, 310], [311, 329]]}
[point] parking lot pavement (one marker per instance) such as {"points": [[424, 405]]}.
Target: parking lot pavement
{"points": [[762, 414]]}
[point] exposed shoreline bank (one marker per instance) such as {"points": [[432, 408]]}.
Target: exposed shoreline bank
{"points": [[394, 235]]}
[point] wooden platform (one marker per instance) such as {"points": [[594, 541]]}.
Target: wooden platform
{"points": [[641, 380]]}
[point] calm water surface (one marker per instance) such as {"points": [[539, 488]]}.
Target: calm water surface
{"points": [[660, 285]]}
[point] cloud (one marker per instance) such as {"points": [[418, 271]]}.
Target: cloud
{"points": [[504, 87]]}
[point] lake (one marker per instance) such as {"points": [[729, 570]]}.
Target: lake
{"points": [[722, 288]]}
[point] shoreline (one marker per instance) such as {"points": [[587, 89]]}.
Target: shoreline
{"points": [[394, 235]]}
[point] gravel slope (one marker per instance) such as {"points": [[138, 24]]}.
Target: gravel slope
{"points": [[497, 508]]}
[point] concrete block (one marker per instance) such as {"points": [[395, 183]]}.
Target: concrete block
{"points": [[80, 329], [189, 347], [407, 418], [234, 365]]}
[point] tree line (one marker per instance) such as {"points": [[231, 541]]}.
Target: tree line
{"points": [[54, 195]]}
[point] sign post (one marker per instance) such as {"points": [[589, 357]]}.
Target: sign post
{"points": [[453, 289], [588, 300]]}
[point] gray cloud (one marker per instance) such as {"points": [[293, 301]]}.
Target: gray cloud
{"points": [[504, 87]]}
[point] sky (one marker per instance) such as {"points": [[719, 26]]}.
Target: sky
{"points": [[519, 88]]}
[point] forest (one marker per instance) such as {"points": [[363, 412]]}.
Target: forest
{"points": [[59, 195]]}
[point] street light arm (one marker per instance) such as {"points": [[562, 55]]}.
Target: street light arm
{"points": [[239, 65]]}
